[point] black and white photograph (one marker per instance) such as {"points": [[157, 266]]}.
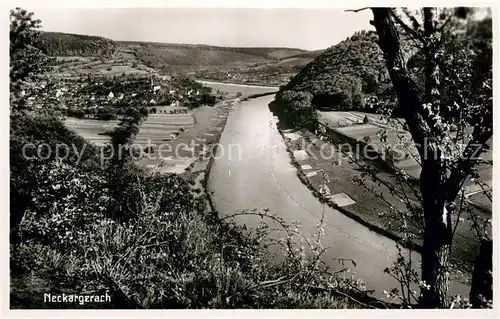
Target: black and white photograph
{"points": [[232, 157]]}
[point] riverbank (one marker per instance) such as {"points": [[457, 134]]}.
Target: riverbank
{"points": [[359, 203], [248, 85], [196, 174]]}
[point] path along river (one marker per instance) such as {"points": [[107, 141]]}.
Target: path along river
{"points": [[252, 170]]}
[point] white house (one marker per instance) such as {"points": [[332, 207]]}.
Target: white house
{"points": [[152, 101], [110, 95]]}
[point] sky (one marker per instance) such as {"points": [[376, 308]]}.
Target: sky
{"points": [[309, 29]]}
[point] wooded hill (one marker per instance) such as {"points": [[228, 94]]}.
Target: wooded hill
{"points": [[343, 74], [352, 75], [66, 44]]}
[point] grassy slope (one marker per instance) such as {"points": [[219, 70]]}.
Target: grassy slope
{"points": [[256, 65], [161, 54], [188, 57]]}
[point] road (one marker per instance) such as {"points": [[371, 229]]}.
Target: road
{"points": [[257, 173]]}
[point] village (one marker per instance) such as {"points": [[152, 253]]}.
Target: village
{"points": [[107, 98]]}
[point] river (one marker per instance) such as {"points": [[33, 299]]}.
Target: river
{"points": [[253, 170]]}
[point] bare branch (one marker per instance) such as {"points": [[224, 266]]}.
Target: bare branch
{"points": [[415, 34], [357, 10], [416, 24]]}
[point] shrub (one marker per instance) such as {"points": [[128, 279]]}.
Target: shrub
{"points": [[295, 109], [145, 240]]}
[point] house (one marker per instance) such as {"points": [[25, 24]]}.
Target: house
{"points": [[110, 95], [152, 101], [156, 88]]}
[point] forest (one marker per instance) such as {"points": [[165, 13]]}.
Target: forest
{"points": [[65, 44]]}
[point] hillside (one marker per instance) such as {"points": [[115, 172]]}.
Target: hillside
{"points": [[272, 66], [344, 74], [273, 72], [306, 54], [66, 44], [193, 57]]}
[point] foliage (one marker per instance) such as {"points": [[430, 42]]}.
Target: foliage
{"points": [[298, 110], [447, 107], [66, 44], [343, 74], [26, 62], [39, 134]]}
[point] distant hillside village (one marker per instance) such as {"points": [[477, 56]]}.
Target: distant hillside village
{"points": [[106, 98], [275, 75]]}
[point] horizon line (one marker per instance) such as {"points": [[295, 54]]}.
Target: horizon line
{"points": [[194, 44]]}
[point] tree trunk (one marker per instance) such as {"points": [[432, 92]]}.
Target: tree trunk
{"points": [[437, 236], [437, 232], [482, 277]]}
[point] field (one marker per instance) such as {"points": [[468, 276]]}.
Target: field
{"points": [[350, 125], [185, 57], [367, 206], [177, 140], [122, 62], [79, 55]]}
